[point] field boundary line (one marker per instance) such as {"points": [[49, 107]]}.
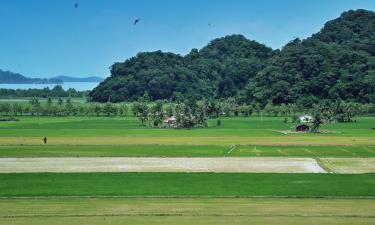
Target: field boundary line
{"points": [[232, 148], [369, 150], [280, 151], [322, 165], [349, 152], [309, 151]]}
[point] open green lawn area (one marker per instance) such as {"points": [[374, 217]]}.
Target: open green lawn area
{"points": [[186, 198], [186, 184], [130, 126], [186, 211], [116, 136], [183, 151]]}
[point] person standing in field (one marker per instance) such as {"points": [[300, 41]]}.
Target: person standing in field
{"points": [[45, 140]]}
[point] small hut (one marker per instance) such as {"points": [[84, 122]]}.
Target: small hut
{"points": [[302, 128], [170, 121]]}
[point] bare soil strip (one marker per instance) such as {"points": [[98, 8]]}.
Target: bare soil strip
{"points": [[158, 164], [349, 165]]}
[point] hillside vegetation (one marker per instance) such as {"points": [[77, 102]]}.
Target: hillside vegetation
{"points": [[336, 63]]}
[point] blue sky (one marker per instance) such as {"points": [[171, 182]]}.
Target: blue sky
{"points": [[48, 38]]}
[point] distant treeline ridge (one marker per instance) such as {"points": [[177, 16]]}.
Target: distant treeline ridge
{"points": [[57, 91]]}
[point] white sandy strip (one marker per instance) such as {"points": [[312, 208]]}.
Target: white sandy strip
{"points": [[148, 164]]}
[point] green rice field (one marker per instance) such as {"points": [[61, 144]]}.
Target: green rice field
{"points": [[254, 136], [187, 184], [343, 195]]}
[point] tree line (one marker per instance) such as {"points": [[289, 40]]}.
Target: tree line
{"points": [[56, 91], [337, 111], [61, 107], [191, 113]]}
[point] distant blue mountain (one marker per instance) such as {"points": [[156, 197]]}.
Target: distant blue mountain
{"points": [[78, 79], [7, 77]]}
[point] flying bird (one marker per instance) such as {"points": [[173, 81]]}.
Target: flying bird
{"points": [[76, 5], [136, 21]]}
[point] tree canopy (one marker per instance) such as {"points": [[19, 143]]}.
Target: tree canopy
{"points": [[336, 63]]}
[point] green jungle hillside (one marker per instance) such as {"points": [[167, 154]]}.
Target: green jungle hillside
{"points": [[338, 62]]}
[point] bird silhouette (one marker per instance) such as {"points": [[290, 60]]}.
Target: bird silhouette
{"points": [[76, 5], [136, 21]]}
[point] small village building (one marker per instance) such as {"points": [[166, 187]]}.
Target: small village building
{"points": [[302, 128], [170, 121], [305, 119]]}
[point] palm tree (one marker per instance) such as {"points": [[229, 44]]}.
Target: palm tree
{"points": [[317, 122]]}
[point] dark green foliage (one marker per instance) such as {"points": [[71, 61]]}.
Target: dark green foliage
{"points": [[217, 70], [245, 110], [354, 28], [69, 107], [336, 63], [60, 108], [316, 123], [141, 110], [170, 110], [213, 109], [57, 91], [36, 107], [7, 119], [157, 114], [344, 112], [161, 75], [109, 109], [338, 111], [189, 114]]}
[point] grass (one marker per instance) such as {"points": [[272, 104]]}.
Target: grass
{"points": [[116, 136], [112, 151], [307, 151], [183, 151], [186, 184], [189, 140], [129, 126], [192, 198], [189, 219], [186, 211]]}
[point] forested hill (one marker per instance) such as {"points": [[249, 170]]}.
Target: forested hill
{"points": [[337, 62], [217, 70]]}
